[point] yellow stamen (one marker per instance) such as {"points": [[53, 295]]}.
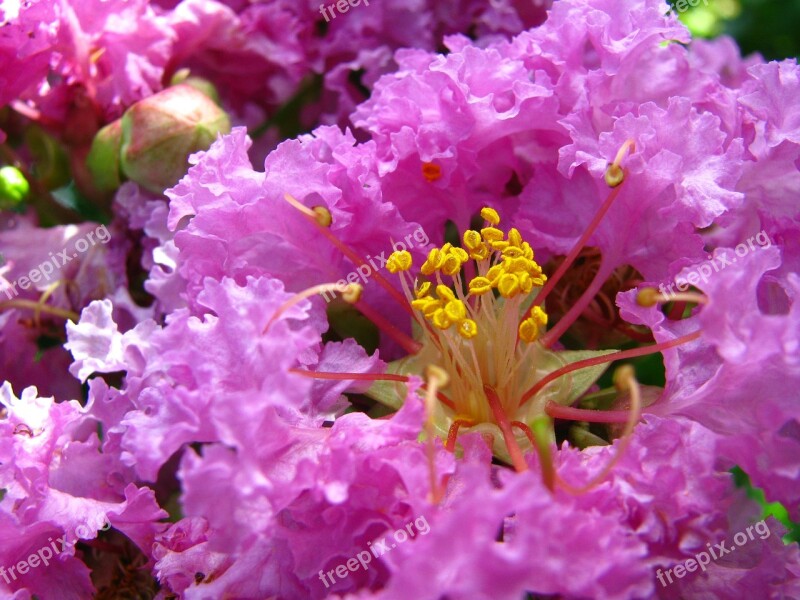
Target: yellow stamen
{"points": [[614, 174], [492, 234], [320, 214], [650, 297], [423, 289], [399, 261], [490, 215], [351, 293]]}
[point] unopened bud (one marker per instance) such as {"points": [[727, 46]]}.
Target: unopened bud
{"points": [[160, 132], [104, 157], [201, 85], [14, 188]]}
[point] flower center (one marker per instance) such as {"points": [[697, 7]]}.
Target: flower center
{"points": [[470, 305]]}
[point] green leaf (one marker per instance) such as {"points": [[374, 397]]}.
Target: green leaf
{"points": [[583, 379], [70, 197]]}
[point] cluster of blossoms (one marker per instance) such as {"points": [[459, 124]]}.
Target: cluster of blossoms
{"points": [[187, 384]]}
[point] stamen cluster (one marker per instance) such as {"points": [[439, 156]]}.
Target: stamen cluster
{"points": [[492, 278]]}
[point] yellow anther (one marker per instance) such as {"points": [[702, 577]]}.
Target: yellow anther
{"points": [[490, 215], [423, 289], [352, 293], [319, 213], [614, 175], [492, 234], [525, 282], [440, 319], [445, 293], [428, 306], [516, 265], [421, 303], [399, 261], [508, 285], [433, 262], [451, 265], [648, 297], [527, 250], [479, 253], [467, 329], [528, 331], [479, 285], [514, 237], [538, 315], [623, 377], [456, 310], [437, 374], [494, 273], [472, 239], [513, 252], [499, 245], [460, 254], [323, 216]]}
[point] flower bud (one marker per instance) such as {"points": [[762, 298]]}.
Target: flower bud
{"points": [[14, 188], [104, 157], [160, 132], [203, 85]]}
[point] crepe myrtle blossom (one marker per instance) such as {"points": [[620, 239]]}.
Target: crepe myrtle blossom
{"points": [[561, 177], [49, 276], [57, 485]]}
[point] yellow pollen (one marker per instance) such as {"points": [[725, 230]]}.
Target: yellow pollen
{"points": [[492, 234], [399, 261], [647, 297], [614, 175], [423, 289], [490, 215], [352, 292], [472, 240], [472, 325], [467, 329], [323, 216]]}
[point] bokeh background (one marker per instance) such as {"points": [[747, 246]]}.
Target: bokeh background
{"points": [[769, 27]]}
